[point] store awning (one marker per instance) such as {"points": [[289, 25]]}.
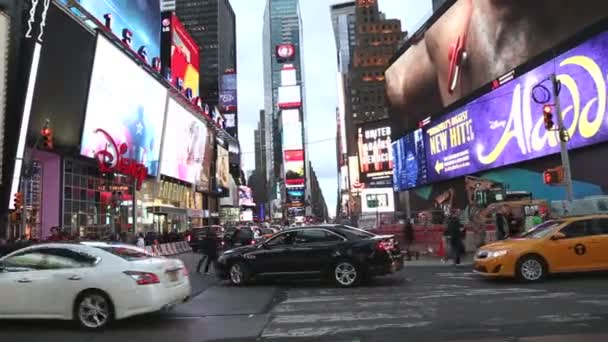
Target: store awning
{"points": [[163, 210]]}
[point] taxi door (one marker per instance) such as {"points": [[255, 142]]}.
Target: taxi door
{"points": [[600, 231], [579, 250]]}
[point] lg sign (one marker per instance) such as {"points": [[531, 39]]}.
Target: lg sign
{"points": [[286, 52]]}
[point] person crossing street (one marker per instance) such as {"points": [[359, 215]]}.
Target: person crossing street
{"points": [[209, 248]]}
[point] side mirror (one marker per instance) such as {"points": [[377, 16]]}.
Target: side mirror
{"points": [[558, 236]]}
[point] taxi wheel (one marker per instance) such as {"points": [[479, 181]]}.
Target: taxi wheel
{"points": [[531, 268]]}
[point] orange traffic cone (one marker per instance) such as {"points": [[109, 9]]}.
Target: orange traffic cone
{"points": [[441, 249]]}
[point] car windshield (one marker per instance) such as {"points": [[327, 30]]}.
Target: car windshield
{"points": [[542, 230], [127, 253], [356, 231]]}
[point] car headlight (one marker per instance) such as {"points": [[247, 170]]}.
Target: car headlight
{"points": [[496, 254]]}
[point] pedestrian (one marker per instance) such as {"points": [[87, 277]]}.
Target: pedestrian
{"points": [[209, 247], [408, 237], [501, 226], [141, 243], [455, 232]]}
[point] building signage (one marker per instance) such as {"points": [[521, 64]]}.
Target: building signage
{"points": [[375, 151], [32, 19], [506, 125], [112, 160], [285, 52]]}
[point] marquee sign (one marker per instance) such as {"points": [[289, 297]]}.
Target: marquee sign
{"points": [[112, 160]]}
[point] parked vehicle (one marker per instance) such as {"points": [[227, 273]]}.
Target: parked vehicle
{"points": [[344, 254], [91, 283]]}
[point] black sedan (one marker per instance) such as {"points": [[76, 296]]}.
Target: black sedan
{"points": [[343, 254]]}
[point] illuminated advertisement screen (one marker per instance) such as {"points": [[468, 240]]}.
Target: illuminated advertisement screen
{"points": [[245, 197], [183, 144], [126, 102], [230, 120], [506, 125], [223, 167], [431, 73], [377, 200], [203, 182], [285, 52], [294, 168], [375, 151], [180, 54], [295, 197], [139, 17], [292, 129], [409, 161], [228, 93], [290, 97], [288, 75]]}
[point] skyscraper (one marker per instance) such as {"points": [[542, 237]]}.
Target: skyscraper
{"points": [[283, 102]]}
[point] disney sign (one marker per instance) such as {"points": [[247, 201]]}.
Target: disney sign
{"points": [[112, 160]]}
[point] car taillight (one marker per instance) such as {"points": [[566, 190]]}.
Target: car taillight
{"points": [[253, 242], [189, 238], [384, 246], [143, 278]]}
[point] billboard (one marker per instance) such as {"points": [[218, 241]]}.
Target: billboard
{"points": [[506, 125], [375, 151], [180, 55], [292, 129], [140, 18], [294, 168], [285, 52], [230, 120], [290, 97], [353, 174], [203, 182], [431, 73], [128, 103], [183, 144], [295, 197], [222, 167], [409, 161], [245, 197], [380, 200], [288, 75], [228, 93]]}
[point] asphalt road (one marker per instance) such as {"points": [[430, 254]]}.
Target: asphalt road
{"points": [[429, 303]]}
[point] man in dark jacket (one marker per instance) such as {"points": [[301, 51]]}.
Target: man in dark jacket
{"points": [[408, 237], [455, 233], [209, 247]]}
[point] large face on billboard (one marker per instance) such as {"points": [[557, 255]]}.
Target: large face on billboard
{"points": [[185, 56], [375, 152], [409, 156], [223, 167], [294, 168], [139, 17], [183, 144], [506, 125], [127, 103], [473, 43]]}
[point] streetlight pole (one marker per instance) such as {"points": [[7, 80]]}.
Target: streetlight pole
{"points": [[563, 139]]}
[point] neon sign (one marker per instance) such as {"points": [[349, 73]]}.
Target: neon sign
{"points": [[112, 160]]}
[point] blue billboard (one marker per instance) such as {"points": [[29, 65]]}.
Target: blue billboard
{"points": [[409, 167]]}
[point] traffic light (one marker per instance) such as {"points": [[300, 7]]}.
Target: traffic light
{"points": [[18, 200], [553, 176], [548, 116], [47, 138]]}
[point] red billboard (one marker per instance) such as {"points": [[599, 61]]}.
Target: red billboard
{"points": [[180, 55], [285, 52], [294, 168]]}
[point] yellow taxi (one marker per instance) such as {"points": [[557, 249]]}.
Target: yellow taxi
{"points": [[571, 244]]}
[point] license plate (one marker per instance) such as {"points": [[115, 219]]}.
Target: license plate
{"points": [[173, 276]]}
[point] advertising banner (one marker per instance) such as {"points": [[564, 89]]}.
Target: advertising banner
{"points": [[180, 54], [127, 103], [222, 167], [409, 156], [140, 18], [353, 174], [380, 200], [432, 72], [288, 75], [203, 182], [230, 120], [294, 168], [228, 93], [290, 97], [295, 197], [292, 129], [183, 144], [245, 197], [285, 52], [375, 151], [506, 125]]}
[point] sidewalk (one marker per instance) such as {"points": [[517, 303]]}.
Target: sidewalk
{"points": [[428, 260]]}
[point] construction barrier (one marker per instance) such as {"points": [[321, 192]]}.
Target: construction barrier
{"points": [[169, 249]]}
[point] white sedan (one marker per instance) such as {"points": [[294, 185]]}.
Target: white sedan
{"points": [[90, 283]]}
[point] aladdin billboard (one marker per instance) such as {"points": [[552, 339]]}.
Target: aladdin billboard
{"points": [[180, 55], [375, 152], [506, 125], [468, 45]]}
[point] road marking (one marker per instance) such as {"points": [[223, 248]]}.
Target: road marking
{"points": [[345, 317], [336, 330]]}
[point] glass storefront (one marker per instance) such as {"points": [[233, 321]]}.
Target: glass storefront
{"points": [[95, 206]]}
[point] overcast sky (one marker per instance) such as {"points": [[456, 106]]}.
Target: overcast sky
{"points": [[320, 76]]}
